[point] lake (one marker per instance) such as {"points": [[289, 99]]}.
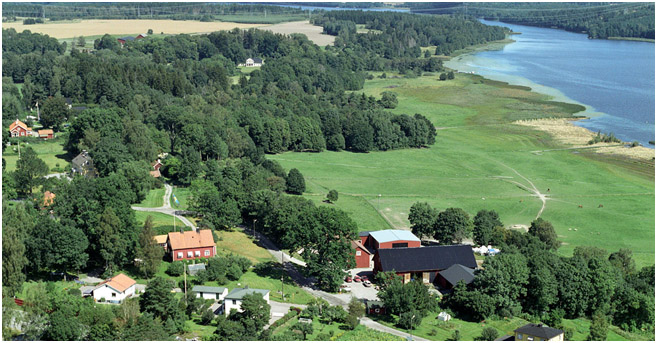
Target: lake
{"points": [[614, 79]]}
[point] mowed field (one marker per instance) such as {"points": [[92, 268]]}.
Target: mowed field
{"points": [[92, 27], [314, 33], [482, 161]]}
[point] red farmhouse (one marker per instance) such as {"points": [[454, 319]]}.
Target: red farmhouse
{"points": [[191, 244], [19, 129]]}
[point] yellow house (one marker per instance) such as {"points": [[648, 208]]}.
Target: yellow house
{"points": [[538, 332]]}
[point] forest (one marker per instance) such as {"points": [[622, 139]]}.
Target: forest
{"points": [[598, 20]]}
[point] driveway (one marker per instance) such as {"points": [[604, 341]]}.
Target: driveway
{"points": [[278, 310], [166, 208]]}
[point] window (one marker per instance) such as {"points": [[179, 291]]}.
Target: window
{"points": [[217, 296], [197, 253], [357, 252], [207, 253], [400, 245], [519, 336], [201, 294], [529, 338], [180, 255], [190, 254], [234, 302], [113, 295]]}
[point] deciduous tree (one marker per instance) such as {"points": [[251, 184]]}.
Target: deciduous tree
{"points": [[423, 218], [452, 224], [29, 170]]}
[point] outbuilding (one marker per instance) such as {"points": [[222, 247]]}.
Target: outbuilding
{"points": [[449, 277], [234, 299]]}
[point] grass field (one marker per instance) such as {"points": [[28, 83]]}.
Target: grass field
{"points": [[259, 18], [91, 27], [314, 33], [155, 198], [238, 243], [50, 151], [181, 194], [436, 330], [477, 156], [162, 223]]}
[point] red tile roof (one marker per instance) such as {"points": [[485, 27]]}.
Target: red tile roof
{"points": [[20, 124], [120, 282], [191, 239]]}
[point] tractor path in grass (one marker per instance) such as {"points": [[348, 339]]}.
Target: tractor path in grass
{"points": [[166, 208]]}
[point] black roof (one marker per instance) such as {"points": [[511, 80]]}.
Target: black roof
{"points": [[538, 330], [426, 258], [363, 233], [257, 60], [127, 38], [457, 273]]}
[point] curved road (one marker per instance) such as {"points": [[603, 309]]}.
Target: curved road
{"points": [[166, 208]]}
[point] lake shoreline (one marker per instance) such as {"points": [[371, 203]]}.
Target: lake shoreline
{"points": [[559, 127]]}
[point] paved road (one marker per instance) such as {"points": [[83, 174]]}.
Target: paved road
{"points": [[306, 283], [166, 208]]}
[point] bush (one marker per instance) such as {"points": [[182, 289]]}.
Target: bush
{"points": [[75, 291], [409, 320], [207, 317], [176, 268], [294, 311], [488, 334]]}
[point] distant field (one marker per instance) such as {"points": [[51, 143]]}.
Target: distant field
{"points": [[123, 27], [258, 18], [314, 33], [475, 158]]}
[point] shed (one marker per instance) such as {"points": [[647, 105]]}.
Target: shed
{"points": [[195, 268], [449, 277]]}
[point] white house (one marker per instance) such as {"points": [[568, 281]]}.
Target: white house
{"points": [[206, 292], [234, 299], [253, 62], [114, 290]]}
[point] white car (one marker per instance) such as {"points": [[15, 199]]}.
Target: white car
{"points": [[367, 284]]}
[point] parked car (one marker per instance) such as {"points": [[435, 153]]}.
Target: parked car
{"points": [[367, 283], [364, 278], [357, 278], [348, 279], [345, 288]]}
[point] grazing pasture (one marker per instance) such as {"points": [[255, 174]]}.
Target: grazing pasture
{"points": [[481, 160]]}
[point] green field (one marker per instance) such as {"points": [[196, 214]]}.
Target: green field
{"points": [[338, 332], [477, 157], [436, 330], [50, 151], [259, 18], [155, 198], [162, 223], [181, 194]]}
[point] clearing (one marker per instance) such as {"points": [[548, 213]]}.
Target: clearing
{"points": [[92, 27]]}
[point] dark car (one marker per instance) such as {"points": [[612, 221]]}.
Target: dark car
{"points": [[364, 278]]}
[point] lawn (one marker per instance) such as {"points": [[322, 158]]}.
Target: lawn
{"points": [[155, 198], [436, 330], [181, 194], [238, 243], [50, 151], [477, 155], [162, 223], [337, 332]]}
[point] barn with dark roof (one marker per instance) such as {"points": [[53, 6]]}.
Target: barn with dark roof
{"points": [[423, 263]]}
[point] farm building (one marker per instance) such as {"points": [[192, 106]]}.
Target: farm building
{"points": [[161, 241], [114, 290], [191, 244], [207, 292], [538, 332], [156, 168], [362, 254], [449, 277], [19, 129], [387, 239], [83, 164], [122, 40], [46, 134], [234, 299], [423, 263]]}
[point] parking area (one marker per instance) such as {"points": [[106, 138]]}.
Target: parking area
{"points": [[358, 289]]}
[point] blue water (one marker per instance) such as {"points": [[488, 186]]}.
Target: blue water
{"points": [[616, 79]]}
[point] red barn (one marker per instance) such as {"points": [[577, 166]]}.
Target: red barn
{"points": [[363, 255], [46, 134], [387, 239], [191, 244], [19, 129]]}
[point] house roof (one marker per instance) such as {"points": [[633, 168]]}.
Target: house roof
{"points": [[81, 159], [363, 234], [257, 60], [457, 273], [208, 289], [239, 293], [191, 239], [19, 123], [538, 330], [126, 38], [120, 282], [355, 244], [160, 239], [384, 236], [155, 173], [426, 258], [46, 132], [48, 198]]}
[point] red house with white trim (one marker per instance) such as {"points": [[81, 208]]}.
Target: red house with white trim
{"points": [[19, 129], [191, 244]]}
